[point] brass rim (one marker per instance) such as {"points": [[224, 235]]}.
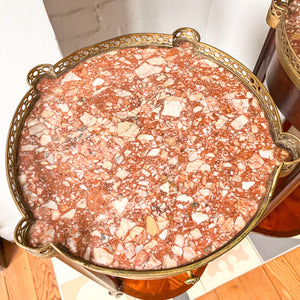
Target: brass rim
{"points": [[288, 58], [275, 12], [288, 141]]}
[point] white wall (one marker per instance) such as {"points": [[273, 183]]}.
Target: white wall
{"points": [[239, 28], [235, 26], [27, 39]]}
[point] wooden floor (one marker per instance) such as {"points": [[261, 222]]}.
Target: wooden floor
{"points": [[27, 277], [277, 279], [31, 278]]}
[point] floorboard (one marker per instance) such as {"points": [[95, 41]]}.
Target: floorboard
{"points": [[293, 257], [212, 295], [17, 275], [257, 283], [3, 290], [43, 278], [233, 290], [284, 277]]}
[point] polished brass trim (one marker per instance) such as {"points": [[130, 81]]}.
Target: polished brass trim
{"points": [[21, 238], [288, 141], [192, 279], [275, 12]]}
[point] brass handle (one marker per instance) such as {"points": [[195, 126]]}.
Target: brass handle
{"points": [[292, 144], [275, 12], [186, 34], [21, 239], [39, 71], [192, 279], [288, 167]]}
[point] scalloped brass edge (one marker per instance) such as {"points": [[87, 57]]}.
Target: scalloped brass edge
{"points": [[185, 34], [201, 49], [21, 239], [262, 94], [288, 166], [38, 72], [275, 12], [117, 43], [14, 131], [120, 42]]}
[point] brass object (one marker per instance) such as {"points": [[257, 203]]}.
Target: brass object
{"points": [[275, 12], [192, 278], [287, 56], [286, 140]]}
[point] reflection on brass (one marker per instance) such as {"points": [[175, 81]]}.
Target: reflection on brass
{"points": [[21, 239], [286, 140], [275, 12], [192, 279]]}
